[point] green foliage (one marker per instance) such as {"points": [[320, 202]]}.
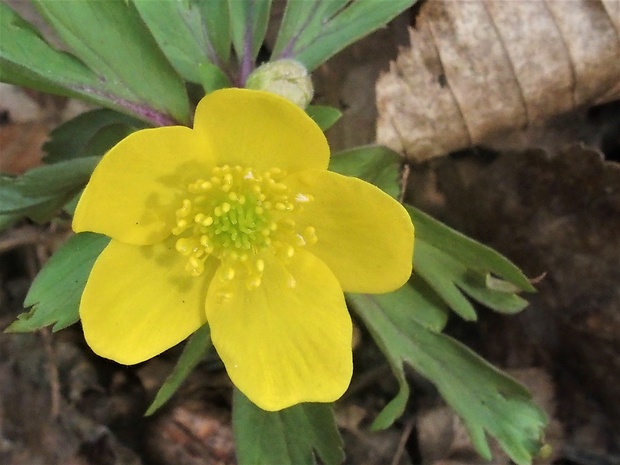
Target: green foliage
{"points": [[375, 164], [55, 293], [487, 401], [406, 324], [190, 33], [323, 115], [116, 64], [454, 265], [114, 43], [289, 437], [417, 302], [248, 26], [41, 192], [196, 348], [27, 59], [312, 32], [448, 266], [212, 78], [134, 56], [89, 134], [467, 250], [8, 220], [74, 149]]}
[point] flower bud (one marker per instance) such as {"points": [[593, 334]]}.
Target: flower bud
{"points": [[287, 78]]}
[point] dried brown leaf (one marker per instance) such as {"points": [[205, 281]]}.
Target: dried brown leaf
{"points": [[478, 68]]}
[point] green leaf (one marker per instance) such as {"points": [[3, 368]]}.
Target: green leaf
{"points": [[488, 401], [191, 33], [216, 17], [504, 300], [212, 78], [27, 60], [248, 25], [56, 291], [375, 164], [440, 271], [474, 255], [415, 301], [8, 220], [195, 350], [312, 32], [323, 115], [287, 437], [300, 23], [454, 266], [111, 39], [41, 191], [89, 134]]}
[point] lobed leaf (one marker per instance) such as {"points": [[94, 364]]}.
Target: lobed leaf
{"points": [[248, 26], [488, 401], [471, 253], [375, 164], [195, 350], [457, 267], [40, 192], [288, 437], [26, 59], [101, 73], [504, 300], [217, 22], [112, 41], [415, 301], [452, 265], [312, 32], [440, 271], [323, 115], [212, 78], [73, 150], [89, 134], [56, 291], [190, 33], [299, 24]]}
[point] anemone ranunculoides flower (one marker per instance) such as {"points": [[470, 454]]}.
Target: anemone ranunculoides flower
{"points": [[237, 223]]}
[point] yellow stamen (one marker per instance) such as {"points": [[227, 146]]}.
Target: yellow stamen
{"points": [[234, 216]]}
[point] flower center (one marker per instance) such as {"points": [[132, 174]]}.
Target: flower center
{"points": [[234, 215]]}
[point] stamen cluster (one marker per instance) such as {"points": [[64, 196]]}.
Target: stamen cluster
{"points": [[235, 215]]}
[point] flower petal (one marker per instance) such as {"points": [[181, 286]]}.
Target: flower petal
{"points": [[139, 301], [284, 345], [364, 235], [261, 130], [133, 192]]}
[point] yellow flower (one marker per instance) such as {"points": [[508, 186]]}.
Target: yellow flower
{"points": [[238, 223]]}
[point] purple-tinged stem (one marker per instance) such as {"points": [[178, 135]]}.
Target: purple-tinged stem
{"points": [[246, 65], [288, 51], [149, 114], [143, 112]]}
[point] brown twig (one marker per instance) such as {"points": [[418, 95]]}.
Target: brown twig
{"points": [[52, 369], [19, 237], [400, 450], [38, 240], [404, 179]]}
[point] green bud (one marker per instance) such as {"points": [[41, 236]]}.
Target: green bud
{"points": [[287, 78]]}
